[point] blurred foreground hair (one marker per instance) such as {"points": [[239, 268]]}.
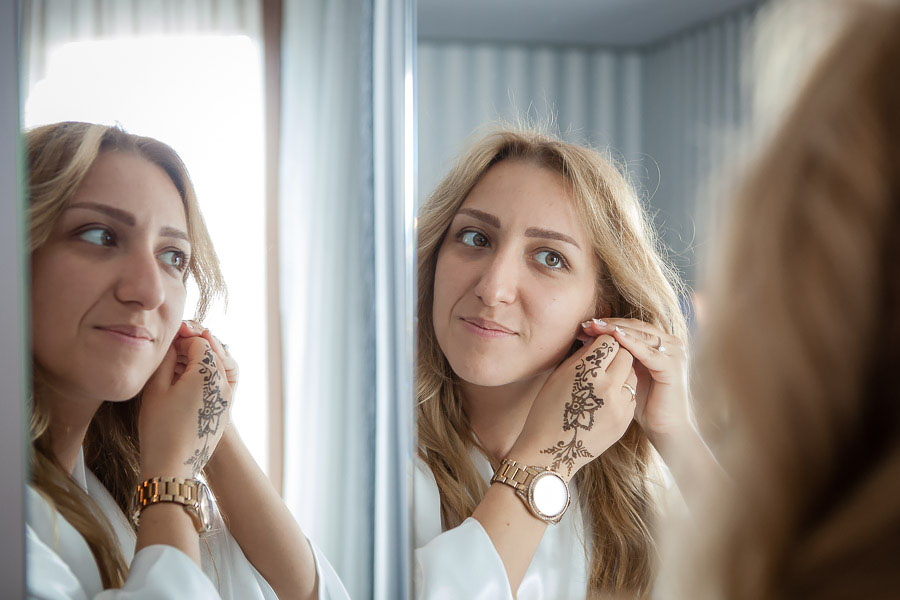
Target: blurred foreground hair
{"points": [[801, 345]]}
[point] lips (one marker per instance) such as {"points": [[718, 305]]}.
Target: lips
{"points": [[131, 331], [488, 326]]}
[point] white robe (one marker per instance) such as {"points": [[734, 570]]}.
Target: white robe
{"points": [[463, 563], [60, 565]]}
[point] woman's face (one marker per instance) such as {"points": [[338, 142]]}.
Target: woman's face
{"points": [[515, 277], [108, 287]]}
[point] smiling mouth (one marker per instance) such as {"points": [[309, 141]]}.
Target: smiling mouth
{"points": [[487, 328], [128, 332]]}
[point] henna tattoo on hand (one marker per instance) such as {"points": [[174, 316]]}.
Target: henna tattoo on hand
{"points": [[209, 416], [579, 412]]}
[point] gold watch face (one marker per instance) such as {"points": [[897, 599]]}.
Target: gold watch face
{"points": [[548, 495]]}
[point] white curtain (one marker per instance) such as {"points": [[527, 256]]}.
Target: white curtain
{"points": [[695, 107], [673, 111], [344, 283], [51, 23], [593, 95]]}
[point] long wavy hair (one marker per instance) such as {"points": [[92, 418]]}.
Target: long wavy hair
{"points": [[616, 490], [59, 157], [802, 338]]}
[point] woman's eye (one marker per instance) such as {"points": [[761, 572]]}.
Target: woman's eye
{"points": [[550, 259], [175, 258], [473, 238], [98, 236]]}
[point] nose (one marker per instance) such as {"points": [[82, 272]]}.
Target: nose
{"points": [[498, 283], [140, 281]]}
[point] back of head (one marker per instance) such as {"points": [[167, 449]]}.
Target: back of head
{"points": [[801, 343]]}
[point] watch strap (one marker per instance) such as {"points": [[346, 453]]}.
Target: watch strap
{"points": [[185, 492], [520, 477], [515, 474]]}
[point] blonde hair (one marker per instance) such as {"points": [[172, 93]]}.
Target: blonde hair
{"points": [[59, 157], [634, 281], [802, 336]]}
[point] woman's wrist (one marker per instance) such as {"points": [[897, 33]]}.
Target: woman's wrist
{"points": [[150, 471], [225, 448]]}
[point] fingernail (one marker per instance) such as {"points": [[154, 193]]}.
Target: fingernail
{"points": [[600, 322], [620, 330], [586, 324]]}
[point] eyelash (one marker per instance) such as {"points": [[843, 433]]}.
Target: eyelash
{"points": [[563, 263], [180, 254]]}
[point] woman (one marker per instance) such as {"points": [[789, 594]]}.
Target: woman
{"points": [[801, 343], [522, 244], [128, 397]]}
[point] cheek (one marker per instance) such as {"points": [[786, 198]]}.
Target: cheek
{"points": [[173, 309], [557, 316], [446, 286], [61, 294]]}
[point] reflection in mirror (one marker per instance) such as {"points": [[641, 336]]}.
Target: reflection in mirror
{"points": [[514, 376], [311, 236]]}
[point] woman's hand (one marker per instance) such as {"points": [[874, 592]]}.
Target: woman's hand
{"points": [[186, 405], [661, 364], [582, 409]]}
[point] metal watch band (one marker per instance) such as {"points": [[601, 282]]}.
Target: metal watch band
{"points": [[168, 489], [515, 474], [522, 478]]}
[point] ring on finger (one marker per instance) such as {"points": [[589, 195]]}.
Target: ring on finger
{"points": [[659, 345], [631, 390]]}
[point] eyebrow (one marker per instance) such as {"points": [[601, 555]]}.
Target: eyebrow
{"points": [[537, 232], [116, 213], [127, 218], [480, 215], [534, 232]]}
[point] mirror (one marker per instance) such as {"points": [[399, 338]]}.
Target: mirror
{"points": [[661, 87], [274, 120]]}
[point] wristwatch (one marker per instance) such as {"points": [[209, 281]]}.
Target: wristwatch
{"points": [[544, 492], [192, 494]]}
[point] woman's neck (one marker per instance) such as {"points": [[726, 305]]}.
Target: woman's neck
{"points": [[497, 414], [70, 417]]}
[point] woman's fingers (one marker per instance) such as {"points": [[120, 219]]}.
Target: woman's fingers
{"points": [[650, 357], [650, 334], [620, 366], [598, 354], [629, 388], [191, 329], [162, 378], [228, 363], [197, 351]]}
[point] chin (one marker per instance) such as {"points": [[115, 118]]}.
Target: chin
{"points": [[117, 383], [483, 372]]}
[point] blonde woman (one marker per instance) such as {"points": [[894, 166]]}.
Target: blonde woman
{"points": [[524, 243], [130, 404], [801, 344]]}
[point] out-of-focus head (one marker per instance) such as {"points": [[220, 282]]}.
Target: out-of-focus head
{"points": [[802, 332], [115, 232], [523, 240]]}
